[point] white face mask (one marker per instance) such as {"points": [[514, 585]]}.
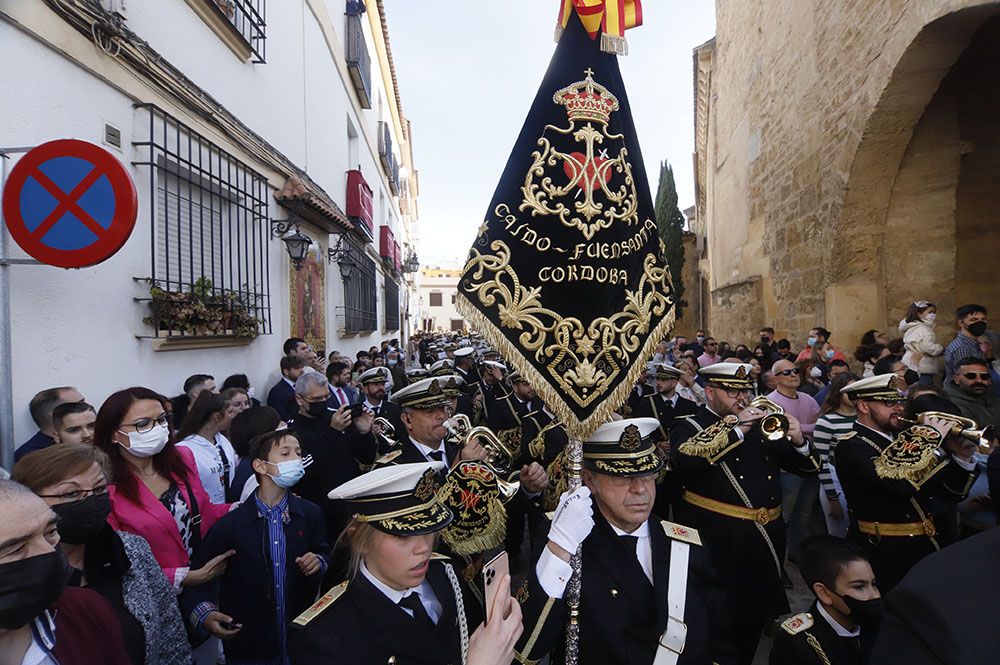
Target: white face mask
{"points": [[815, 372], [147, 444], [930, 318]]}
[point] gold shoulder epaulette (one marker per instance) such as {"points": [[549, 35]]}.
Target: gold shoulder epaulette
{"points": [[845, 437], [796, 623], [320, 606], [681, 532]]}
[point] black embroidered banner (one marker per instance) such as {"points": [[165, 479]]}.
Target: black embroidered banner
{"points": [[566, 277]]}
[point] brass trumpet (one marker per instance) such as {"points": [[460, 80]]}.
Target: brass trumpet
{"points": [[967, 428], [774, 425], [498, 456]]}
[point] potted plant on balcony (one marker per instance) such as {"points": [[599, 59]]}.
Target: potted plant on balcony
{"points": [[203, 312]]}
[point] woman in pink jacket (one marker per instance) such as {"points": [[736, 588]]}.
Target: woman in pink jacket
{"points": [[156, 492]]}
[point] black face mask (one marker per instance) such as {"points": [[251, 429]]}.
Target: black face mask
{"points": [[317, 409], [81, 520], [977, 328], [864, 612], [910, 377], [29, 586]]}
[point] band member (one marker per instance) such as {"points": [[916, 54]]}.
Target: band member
{"points": [[841, 626], [641, 390], [731, 479], [465, 367], [891, 475], [402, 604], [373, 390], [648, 591], [665, 405]]}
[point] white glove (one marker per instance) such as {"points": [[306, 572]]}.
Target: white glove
{"points": [[573, 521]]}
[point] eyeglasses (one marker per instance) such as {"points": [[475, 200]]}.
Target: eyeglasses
{"points": [[737, 392], [146, 424], [625, 481], [983, 376], [77, 495], [710, 344], [788, 372]]}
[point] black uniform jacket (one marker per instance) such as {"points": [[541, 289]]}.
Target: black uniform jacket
{"points": [[639, 392], [740, 554], [789, 649], [622, 615], [654, 406], [945, 611], [874, 499], [554, 438], [363, 627]]}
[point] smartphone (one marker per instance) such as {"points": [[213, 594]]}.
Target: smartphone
{"points": [[357, 410], [493, 572]]}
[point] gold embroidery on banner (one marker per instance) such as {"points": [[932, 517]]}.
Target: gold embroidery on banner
{"points": [[577, 356], [588, 172]]}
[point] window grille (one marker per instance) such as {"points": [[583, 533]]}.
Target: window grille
{"points": [[247, 19], [360, 314], [210, 232], [391, 304]]}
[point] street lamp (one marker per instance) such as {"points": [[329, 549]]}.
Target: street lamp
{"points": [[296, 244], [412, 263]]}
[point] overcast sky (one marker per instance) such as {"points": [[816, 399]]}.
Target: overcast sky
{"points": [[469, 70]]}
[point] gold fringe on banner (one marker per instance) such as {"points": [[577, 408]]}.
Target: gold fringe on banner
{"points": [[542, 385]]}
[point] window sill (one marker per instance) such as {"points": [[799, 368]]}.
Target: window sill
{"points": [[192, 342], [223, 28]]}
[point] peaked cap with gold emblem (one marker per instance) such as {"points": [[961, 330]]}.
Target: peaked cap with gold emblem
{"points": [[880, 388], [399, 499], [429, 393], [443, 367], [664, 371], [566, 275], [624, 448], [728, 375], [374, 375]]}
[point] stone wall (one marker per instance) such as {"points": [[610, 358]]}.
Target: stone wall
{"points": [[832, 178]]}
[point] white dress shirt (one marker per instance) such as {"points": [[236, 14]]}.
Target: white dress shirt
{"points": [[426, 450], [837, 628], [424, 592]]}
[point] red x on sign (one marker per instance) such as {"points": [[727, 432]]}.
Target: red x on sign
{"points": [[69, 203]]}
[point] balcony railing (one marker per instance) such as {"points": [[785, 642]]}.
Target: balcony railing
{"points": [[359, 62]]}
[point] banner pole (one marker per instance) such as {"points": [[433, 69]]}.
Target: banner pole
{"points": [[574, 463]]}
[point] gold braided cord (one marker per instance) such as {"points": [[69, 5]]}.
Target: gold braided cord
{"points": [[709, 442], [814, 643], [403, 512]]}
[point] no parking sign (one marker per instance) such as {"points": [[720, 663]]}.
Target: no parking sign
{"points": [[69, 203]]}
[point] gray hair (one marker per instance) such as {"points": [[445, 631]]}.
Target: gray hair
{"points": [[309, 380], [11, 490]]}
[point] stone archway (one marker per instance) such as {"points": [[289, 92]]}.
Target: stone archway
{"points": [[916, 206]]}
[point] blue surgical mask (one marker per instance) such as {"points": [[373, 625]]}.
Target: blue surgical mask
{"points": [[290, 472], [811, 341], [391, 362], [828, 354]]}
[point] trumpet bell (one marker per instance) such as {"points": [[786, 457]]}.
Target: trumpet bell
{"points": [[774, 426]]}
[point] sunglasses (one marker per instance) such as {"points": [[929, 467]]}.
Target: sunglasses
{"points": [[984, 376], [787, 372]]}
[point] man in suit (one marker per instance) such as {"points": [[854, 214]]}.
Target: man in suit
{"points": [[373, 388], [841, 626], [341, 393], [338, 443], [648, 590], [281, 396], [665, 405], [945, 610], [893, 478], [731, 479]]}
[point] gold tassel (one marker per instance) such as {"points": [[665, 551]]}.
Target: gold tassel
{"points": [[710, 443], [469, 543], [614, 44]]}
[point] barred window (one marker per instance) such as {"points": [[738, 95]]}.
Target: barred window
{"points": [[246, 18], [391, 304], [360, 314], [209, 272], [435, 300]]}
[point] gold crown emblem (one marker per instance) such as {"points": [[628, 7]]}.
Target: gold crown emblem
{"points": [[892, 384], [741, 373], [434, 388], [587, 100], [451, 385], [631, 439], [427, 487]]}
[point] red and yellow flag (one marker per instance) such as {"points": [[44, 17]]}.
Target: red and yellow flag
{"points": [[609, 17]]}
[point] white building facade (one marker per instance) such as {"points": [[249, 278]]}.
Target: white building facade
{"points": [[241, 122], [438, 289]]}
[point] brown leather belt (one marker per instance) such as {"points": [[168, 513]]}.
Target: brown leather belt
{"points": [[759, 515], [925, 528]]}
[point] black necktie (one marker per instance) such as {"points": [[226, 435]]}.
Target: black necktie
{"points": [[412, 603], [437, 455], [629, 542]]}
